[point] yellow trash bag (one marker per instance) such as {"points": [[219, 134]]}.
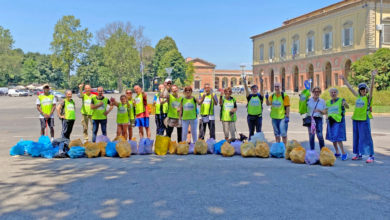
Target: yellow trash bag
{"points": [[92, 149], [123, 148], [74, 143], [102, 146], [172, 147], [262, 149], [297, 155], [290, 146], [182, 148], [327, 157], [119, 139], [161, 145], [248, 149], [200, 147], [227, 150]]}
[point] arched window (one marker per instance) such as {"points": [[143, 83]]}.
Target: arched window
{"points": [[310, 42], [347, 34], [283, 48], [327, 39]]}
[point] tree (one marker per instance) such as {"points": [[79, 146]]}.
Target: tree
{"points": [[122, 57], [10, 60], [178, 83], [175, 60], [380, 60], [163, 46], [30, 72], [69, 43], [190, 70]]}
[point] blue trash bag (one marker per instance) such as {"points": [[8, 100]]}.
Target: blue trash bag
{"points": [[102, 138], [35, 148], [145, 146], [16, 150], [237, 147], [50, 153], [134, 147], [217, 147], [110, 150], [277, 150], [44, 140], [76, 152], [210, 145]]}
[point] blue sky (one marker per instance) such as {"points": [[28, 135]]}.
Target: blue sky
{"points": [[218, 31]]}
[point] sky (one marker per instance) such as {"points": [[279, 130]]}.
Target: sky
{"points": [[218, 31]]}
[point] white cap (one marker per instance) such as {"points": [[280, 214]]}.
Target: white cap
{"points": [[168, 80]]}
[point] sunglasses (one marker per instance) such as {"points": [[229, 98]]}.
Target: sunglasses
{"points": [[187, 90], [169, 83]]}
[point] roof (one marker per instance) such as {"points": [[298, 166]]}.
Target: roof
{"points": [[202, 61]]}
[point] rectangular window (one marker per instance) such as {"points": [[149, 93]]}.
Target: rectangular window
{"points": [[295, 48], [310, 44], [386, 33], [317, 80], [283, 50], [336, 79], [328, 40], [288, 82], [261, 53], [347, 36], [271, 52]]}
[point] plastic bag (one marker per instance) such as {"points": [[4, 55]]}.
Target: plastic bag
{"points": [[182, 148], [227, 150], [262, 149], [119, 138], [200, 147], [76, 152], [290, 146], [123, 148], [210, 145], [191, 148], [110, 150], [259, 136], [50, 153], [161, 146], [248, 149], [134, 147], [102, 146], [172, 147], [297, 155], [218, 146], [277, 150], [327, 157], [44, 140], [76, 142], [312, 157], [35, 149], [19, 148], [102, 138], [237, 146], [92, 149], [146, 146]]}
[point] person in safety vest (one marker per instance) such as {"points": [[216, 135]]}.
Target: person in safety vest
{"points": [[316, 108], [228, 113], [122, 116], [174, 113], [46, 105], [131, 111], [362, 138], [86, 110], [280, 111], [254, 108], [99, 116], [189, 115], [207, 102], [141, 112], [66, 112], [161, 111], [336, 132]]}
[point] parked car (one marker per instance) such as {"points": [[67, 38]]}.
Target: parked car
{"points": [[108, 91], [3, 91], [58, 95], [16, 92]]}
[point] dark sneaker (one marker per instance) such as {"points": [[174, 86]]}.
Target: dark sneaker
{"points": [[337, 155]]}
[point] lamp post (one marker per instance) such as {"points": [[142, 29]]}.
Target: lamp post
{"points": [[168, 70], [243, 75], [261, 81]]}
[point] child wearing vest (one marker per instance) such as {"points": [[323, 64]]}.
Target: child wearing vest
{"points": [[228, 114], [188, 115], [129, 96], [66, 112], [122, 116], [174, 112]]}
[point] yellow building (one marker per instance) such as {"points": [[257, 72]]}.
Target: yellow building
{"points": [[320, 45]]}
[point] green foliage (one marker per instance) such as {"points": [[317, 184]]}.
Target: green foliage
{"points": [[190, 70], [163, 46], [10, 60], [178, 83], [68, 45], [380, 60], [30, 72], [6, 40], [175, 60]]}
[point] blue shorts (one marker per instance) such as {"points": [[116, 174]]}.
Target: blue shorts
{"points": [[280, 127], [142, 122]]}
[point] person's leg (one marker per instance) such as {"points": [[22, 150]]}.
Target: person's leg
{"points": [[365, 138], [259, 122], [212, 128], [84, 123], [50, 123], [42, 122], [194, 126], [341, 146], [275, 125], [169, 131], [118, 130], [355, 141], [64, 128], [311, 139], [95, 129], [185, 124], [225, 126], [130, 129], [201, 129], [157, 120], [251, 126], [103, 123], [70, 124], [232, 127], [163, 127], [319, 133], [146, 124], [336, 148], [179, 134], [124, 130], [188, 139]]}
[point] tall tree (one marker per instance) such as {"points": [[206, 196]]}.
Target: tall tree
{"points": [[30, 72], [10, 60], [174, 59], [163, 46], [122, 57], [69, 43]]}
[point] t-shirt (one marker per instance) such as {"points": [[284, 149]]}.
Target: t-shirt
{"points": [[311, 104], [38, 103], [286, 100]]}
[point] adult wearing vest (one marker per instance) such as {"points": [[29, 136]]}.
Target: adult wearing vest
{"points": [[86, 110], [141, 112], [207, 102], [228, 114], [280, 111], [189, 115], [131, 111], [174, 113], [316, 107], [122, 116], [336, 131], [362, 138], [161, 111], [99, 116], [66, 112], [303, 98], [254, 108], [46, 104]]}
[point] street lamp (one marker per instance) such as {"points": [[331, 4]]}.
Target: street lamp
{"points": [[261, 81], [168, 70]]}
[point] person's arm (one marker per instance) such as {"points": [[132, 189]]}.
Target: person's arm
{"points": [[373, 73], [345, 104], [214, 97], [245, 87], [220, 100], [202, 98], [95, 106], [235, 107], [268, 100], [348, 85], [81, 91], [53, 108], [59, 107], [109, 110], [287, 104]]}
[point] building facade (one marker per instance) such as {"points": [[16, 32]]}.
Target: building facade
{"points": [[320, 45]]}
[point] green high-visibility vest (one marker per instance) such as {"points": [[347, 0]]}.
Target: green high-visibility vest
{"points": [[254, 106], [304, 97], [122, 116], [69, 110], [207, 107], [46, 102], [131, 110], [335, 109], [173, 107], [139, 104], [227, 106], [98, 113], [158, 105], [361, 109], [189, 108], [277, 108], [86, 104]]}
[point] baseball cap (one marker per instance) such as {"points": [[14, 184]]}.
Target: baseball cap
{"points": [[362, 86], [254, 86], [168, 80], [46, 85]]}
